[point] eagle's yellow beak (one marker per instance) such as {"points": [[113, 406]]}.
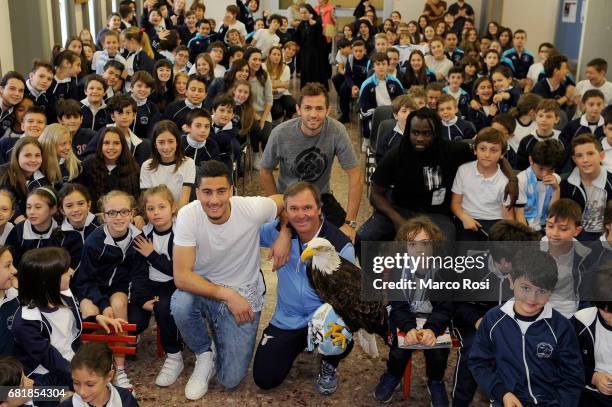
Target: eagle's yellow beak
{"points": [[307, 253]]}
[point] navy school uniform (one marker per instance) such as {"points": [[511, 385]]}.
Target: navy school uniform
{"points": [[6, 148], [458, 129], [94, 119], [25, 237], [543, 365], [505, 105], [200, 151], [8, 306], [456, 56], [147, 115], [45, 100], [107, 268], [526, 147], [580, 126], [61, 89], [159, 282], [387, 142], [479, 118], [227, 140], [356, 71], [140, 62], [177, 111], [33, 348], [36, 180], [521, 61], [569, 79], [140, 148], [185, 34], [7, 117], [463, 102], [367, 98], [80, 140], [197, 45], [72, 239], [119, 397], [544, 89]]}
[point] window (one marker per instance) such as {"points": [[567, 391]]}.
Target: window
{"points": [[92, 18], [63, 9]]}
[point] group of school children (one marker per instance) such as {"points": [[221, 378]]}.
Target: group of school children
{"points": [[122, 123]]}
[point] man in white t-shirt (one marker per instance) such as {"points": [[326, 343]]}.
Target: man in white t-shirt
{"points": [[217, 275], [264, 38], [595, 79]]}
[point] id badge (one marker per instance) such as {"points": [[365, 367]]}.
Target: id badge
{"points": [[437, 198]]}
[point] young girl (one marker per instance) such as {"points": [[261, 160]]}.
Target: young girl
{"points": [[156, 248], [284, 103], [92, 371], [525, 114], [47, 327], [347, 31], [180, 85], [8, 300], [239, 71], [233, 38], [86, 37], [59, 162], [490, 62], [437, 61], [244, 115], [109, 266], [205, 66], [39, 229], [169, 165], [163, 92], [470, 67], [505, 38], [261, 89], [6, 213], [482, 109], [140, 54], [79, 222], [22, 174], [67, 66], [506, 96], [415, 71], [111, 167]]}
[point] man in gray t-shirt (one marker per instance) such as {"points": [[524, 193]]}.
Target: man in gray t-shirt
{"points": [[305, 148]]}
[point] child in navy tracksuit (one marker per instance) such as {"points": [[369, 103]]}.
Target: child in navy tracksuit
{"points": [[39, 229], [402, 106], [8, 300], [110, 267], [147, 112], [225, 134], [453, 126], [200, 42], [197, 143], [155, 245], [590, 122], [355, 73], [455, 80], [93, 107], [92, 371], [371, 95], [79, 222], [195, 93], [525, 351]]}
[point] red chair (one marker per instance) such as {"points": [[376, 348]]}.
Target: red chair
{"points": [[111, 338]]}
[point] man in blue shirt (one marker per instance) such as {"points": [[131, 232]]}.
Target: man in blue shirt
{"points": [[286, 335]]}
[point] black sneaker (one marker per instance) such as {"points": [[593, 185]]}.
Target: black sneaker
{"points": [[437, 391], [327, 381], [386, 387]]}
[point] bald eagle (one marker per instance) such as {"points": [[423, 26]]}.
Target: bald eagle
{"points": [[338, 283]]}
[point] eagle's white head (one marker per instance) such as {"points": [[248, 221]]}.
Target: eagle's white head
{"points": [[323, 255]]}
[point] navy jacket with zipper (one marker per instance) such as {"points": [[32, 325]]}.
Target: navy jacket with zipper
{"points": [[543, 366], [572, 188], [73, 239]]}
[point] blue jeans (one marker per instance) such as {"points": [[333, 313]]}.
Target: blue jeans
{"points": [[234, 343]]}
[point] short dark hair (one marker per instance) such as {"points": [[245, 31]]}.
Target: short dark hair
{"points": [[503, 70], [195, 113], [68, 107], [343, 43], [450, 32], [505, 231], [212, 169], [36, 110], [38, 63], [300, 186], [547, 45], [607, 117], [202, 21], [11, 75], [548, 153], [553, 62], [114, 64], [314, 89], [144, 77], [593, 93], [224, 100], [276, 17], [199, 78], [40, 272], [11, 372], [94, 356], [491, 135], [358, 43], [506, 120], [537, 266], [586, 138], [567, 209], [549, 105], [380, 57], [125, 10], [95, 77], [119, 102], [455, 69], [233, 9], [599, 63]]}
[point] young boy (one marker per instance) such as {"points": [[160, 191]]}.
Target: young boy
{"points": [[112, 74], [33, 124], [147, 113], [589, 184], [113, 24], [122, 111], [16, 130], [195, 94], [37, 86], [505, 123], [402, 106], [354, 75], [200, 42], [419, 96], [434, 91], [606, 143], [525, 352], [196, 142], [189, 29], [539, 184], [230, 21], [266, 38], [93, 107], [478, 189], [393, 55], [455, 80], [591, 121], [344, 50], [595, 73], [594, 329], [453, 53], [110, 45], [379, 89], [553, 86], [217, 53], [69, 115], [538, 67], [181, 59], [225, 134], [521, 58], [453, 126], [12, 86], [547, 116]]}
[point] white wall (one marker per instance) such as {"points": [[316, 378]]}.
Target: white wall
{"points": [[6, 50], [537, 17], [596, 34], [412, 9]]}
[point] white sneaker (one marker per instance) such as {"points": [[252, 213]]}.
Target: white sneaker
{"points": [[121, 380], [257, 161], [171, 370], [203, 371], [365, 144]]}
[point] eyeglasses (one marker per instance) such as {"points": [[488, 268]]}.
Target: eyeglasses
{"points": [[113, 213]]}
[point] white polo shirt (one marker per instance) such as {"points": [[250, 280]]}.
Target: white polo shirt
{"points": [[483, 198]]}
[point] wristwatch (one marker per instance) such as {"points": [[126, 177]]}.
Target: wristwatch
{"points": [[351, 223]]}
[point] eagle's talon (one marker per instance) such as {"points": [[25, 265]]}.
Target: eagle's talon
{"points": [[336, 334]]}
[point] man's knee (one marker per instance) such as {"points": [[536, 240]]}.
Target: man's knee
{"points": [[266, 381], [181, 305], [230, 379]]}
